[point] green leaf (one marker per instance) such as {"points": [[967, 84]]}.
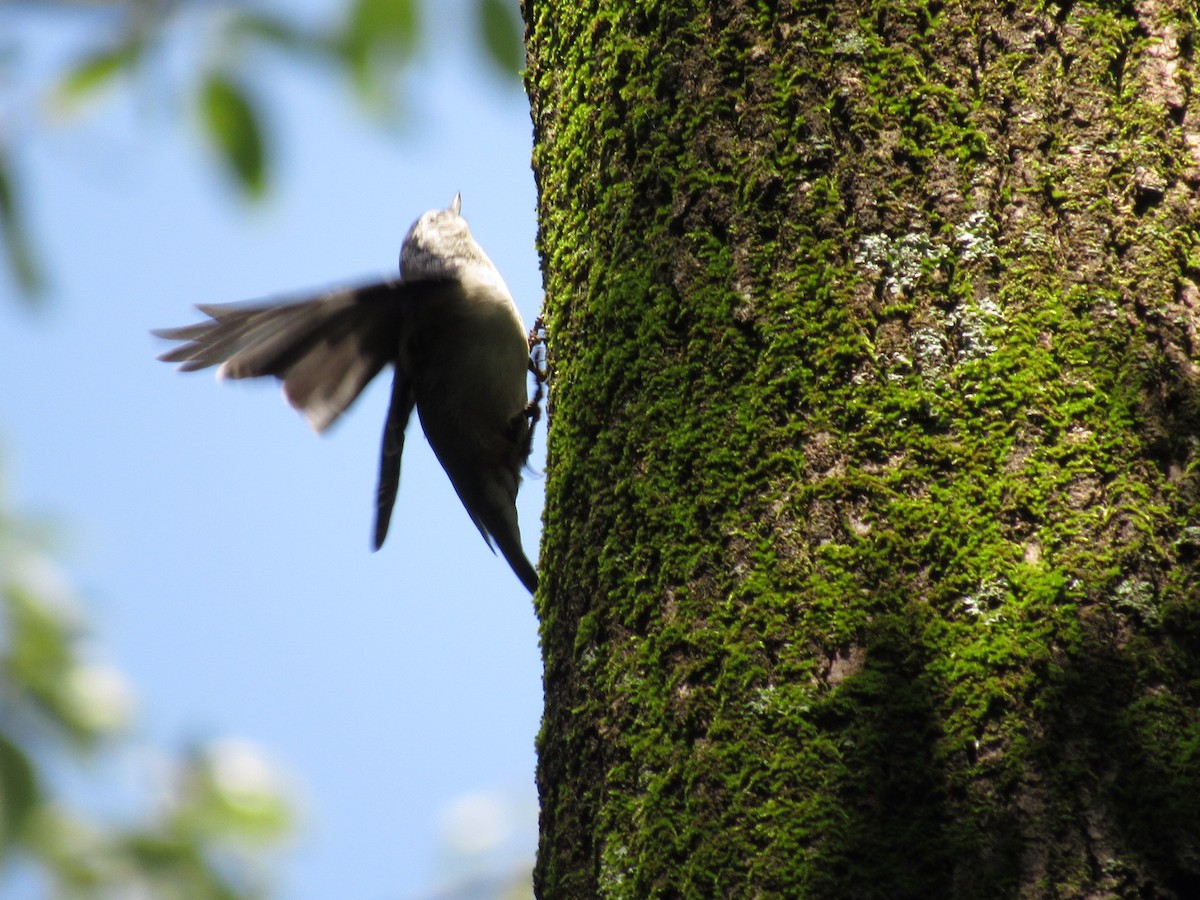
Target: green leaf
{"points": [[384, 24], [38, 656], [16, 245], [378, 36], [501, 32], [96, 70], [18, 792], [233, 125]]}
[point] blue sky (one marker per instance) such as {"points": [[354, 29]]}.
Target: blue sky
{"points": [[222, 549]]}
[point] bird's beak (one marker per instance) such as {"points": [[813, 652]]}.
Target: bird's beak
{"points": [[456, 204]]}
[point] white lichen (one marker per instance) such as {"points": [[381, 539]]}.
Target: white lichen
{"points": [[974, 237], [901, 262]]}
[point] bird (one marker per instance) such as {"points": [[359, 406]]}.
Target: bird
{"points": [[451, 332]]}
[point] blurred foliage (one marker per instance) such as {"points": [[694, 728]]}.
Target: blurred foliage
{"points": [[232, 122], [221, 809], [13, 234], [481, 845], [371, 42], [501, 35]]}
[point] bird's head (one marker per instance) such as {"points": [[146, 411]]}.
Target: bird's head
{"points": [[438, 244]]}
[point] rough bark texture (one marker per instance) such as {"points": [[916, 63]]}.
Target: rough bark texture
{"points": [[873, 504]]}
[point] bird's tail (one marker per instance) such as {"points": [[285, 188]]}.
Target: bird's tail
{"points": [[489, 493], [507, 537], [509, 542]]}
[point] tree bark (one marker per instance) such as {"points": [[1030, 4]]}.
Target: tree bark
{"points": [[873, 515]]}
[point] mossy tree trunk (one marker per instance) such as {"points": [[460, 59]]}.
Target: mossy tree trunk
{"points": [[873, 508]]}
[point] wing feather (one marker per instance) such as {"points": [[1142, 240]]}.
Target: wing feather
{"points": [[324, 349], [399, 411]]}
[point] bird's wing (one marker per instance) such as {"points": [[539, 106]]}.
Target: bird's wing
{"points": [[403, 400], [325, 349]]}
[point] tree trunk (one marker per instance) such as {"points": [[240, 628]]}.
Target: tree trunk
{"points": [[873, 513]]}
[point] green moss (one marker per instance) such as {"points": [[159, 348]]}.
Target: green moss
{"points": [[868, 495]]}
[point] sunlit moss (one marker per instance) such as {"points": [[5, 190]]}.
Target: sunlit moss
{"points": [[856, 433]]}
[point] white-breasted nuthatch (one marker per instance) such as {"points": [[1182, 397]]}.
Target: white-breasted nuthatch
{"points": [[460, 351]]}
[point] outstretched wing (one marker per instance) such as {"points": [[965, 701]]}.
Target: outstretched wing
{"points": [[325, 349]]}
